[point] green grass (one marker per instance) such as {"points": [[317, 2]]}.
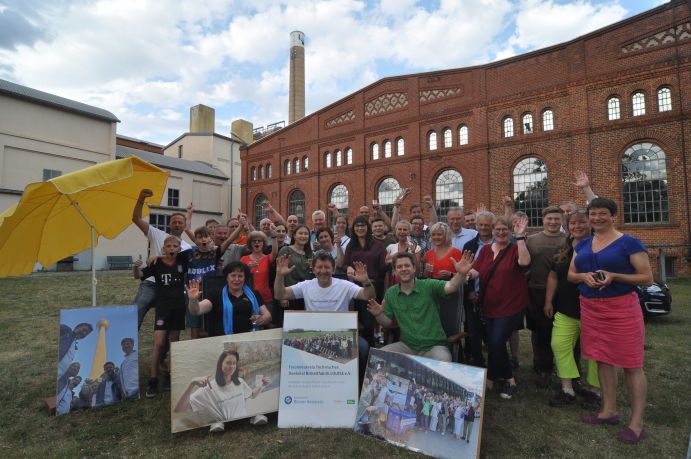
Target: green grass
{"points": [[523, 427]]}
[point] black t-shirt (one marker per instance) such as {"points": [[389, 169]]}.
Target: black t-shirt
{"points": [[566, 298], [242, 310], [170, 281]]}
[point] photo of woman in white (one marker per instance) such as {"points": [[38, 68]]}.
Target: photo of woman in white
{"points": [[223, 396]]}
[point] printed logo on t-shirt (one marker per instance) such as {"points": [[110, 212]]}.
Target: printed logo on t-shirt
{"points": [[160, 322]]}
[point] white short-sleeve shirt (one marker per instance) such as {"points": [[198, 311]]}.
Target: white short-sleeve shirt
{"points": [[335, 297]]}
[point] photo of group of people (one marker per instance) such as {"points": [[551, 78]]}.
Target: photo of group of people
{"points": [[338, 345], [224, 378], [422, 404], [97, 357]]}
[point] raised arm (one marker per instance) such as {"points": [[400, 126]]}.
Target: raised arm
{"points": [[583, 182], [377, 310], [188, 225], [137, 211], [519, 232], [196, 307], [463, 267], [361, 276], [236, 233], [508, 206], [281, 292], [331, 207], [433, 217], [271, 213]]}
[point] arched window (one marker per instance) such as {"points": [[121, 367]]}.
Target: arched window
{"points": [[374, 150], [400, 146], [268, 171], [286, 166], [664, 100], [613, 108], [305, 163], [349, 155], [448, 192], [547, 120], [387, 192], [530, 188], [296, 165], [644, 177], [527, 123], [261, 172], [254, 173], [508, 127], [638, 104], [463, 135], [259, 212], [339, 158], [327, 160], [387, 149], [447, 137], [432, 140], [339, 196], [296, 204]]}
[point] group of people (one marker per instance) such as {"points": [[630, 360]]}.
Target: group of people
{"points": [[331, 346], [572, 284], [114, 385]]}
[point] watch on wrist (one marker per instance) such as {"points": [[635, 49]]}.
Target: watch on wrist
{"points": [[521, 238]]}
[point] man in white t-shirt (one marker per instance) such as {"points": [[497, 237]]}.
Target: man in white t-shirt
{"points": [[325, 293]]}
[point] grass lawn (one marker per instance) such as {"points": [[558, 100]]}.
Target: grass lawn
{"points": [[523, 427]]}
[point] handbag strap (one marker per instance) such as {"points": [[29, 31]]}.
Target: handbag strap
{"points": [[491, 272]]}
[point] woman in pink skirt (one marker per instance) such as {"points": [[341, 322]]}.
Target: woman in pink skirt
{"points": [[608, 268]]}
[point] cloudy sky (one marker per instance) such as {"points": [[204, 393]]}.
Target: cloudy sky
{"points": [[148, 62]]}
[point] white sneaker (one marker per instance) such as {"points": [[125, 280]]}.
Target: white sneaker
{"points": [[259, 420], [217, 427]]}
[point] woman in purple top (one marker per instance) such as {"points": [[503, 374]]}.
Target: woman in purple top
{"points": [[608, 267], [372, 253]]}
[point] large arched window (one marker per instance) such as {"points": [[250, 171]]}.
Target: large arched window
{"points": [[530, 188], [644, 178], [547, 120], [268, 170], [387, 149], [305, 163], [338, 157], [446, 133], [374, 150], [613, 108], [638, 104], [463, 135], [527, 123], [400, 146], [448, 192], [349, 155], [388, 190], [508, 126], [339, 196], [259, 212], [296, 204], [432, 140], [327, 160], [664, 100], [286, 167]]}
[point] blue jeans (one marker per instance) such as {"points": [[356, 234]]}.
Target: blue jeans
{"points": [[498, 333], [144, 300]]}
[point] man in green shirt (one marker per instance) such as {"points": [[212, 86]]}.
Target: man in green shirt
{"points": [[414, 304]]}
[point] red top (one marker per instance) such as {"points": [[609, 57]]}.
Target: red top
{"points": [[507, 292], [444, 263], [261, 275]]}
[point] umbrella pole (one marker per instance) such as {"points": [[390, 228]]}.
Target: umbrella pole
{"points": [[93, 247]]}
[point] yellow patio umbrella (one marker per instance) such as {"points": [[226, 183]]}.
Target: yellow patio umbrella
{"points": [[67, 214]]}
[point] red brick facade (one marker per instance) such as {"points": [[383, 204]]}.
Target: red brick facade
{"points": [[574, 80]]}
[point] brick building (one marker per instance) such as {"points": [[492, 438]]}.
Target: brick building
{"points": [[614, 103]]}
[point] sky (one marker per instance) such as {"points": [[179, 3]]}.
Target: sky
{"points": [[149, 61]]}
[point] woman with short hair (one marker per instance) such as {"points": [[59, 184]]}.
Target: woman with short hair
{"points": [[608, 266]]}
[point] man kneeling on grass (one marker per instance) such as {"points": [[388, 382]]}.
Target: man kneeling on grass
{"points": [[414, 304]]}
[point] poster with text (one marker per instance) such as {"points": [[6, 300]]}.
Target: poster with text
{"points": [[422, 404], [97, 357], [224, 378], [319, 370]]}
